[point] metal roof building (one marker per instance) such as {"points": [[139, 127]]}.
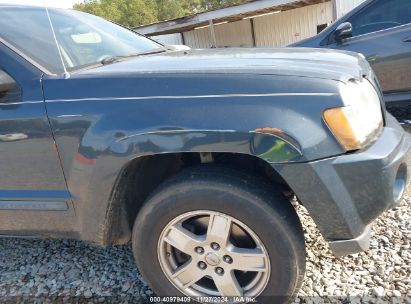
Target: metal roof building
{"points": [[259, 23]]}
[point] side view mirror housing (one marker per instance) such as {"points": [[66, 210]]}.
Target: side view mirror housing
{"points": [[343, 31]]}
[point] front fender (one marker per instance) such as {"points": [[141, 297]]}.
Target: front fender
{"points": [[276, 118]]}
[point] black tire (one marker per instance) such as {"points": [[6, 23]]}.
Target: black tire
{"points": [[248, 198]]}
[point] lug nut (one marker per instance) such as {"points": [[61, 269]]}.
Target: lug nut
{"points": [[199, 250], [219, 271], [228, 259], [202, 265], [215, 246]]}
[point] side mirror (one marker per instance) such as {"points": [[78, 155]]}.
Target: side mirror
{"points": [[343, 31]]}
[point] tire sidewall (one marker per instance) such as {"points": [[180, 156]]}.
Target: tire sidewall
{"points": [[270, 225]]}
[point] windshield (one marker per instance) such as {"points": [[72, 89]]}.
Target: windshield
{"points": [[68, 40]]}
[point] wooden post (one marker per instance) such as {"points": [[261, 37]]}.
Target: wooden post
{"points": [[183, 39], [212, 32], [253, 32], [334, 7]]}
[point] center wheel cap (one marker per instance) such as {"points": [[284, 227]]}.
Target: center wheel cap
{"points": [[212, 259]]}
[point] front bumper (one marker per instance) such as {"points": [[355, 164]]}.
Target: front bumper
{"points": [[345, 194]]}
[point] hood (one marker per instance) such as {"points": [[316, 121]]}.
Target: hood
{"points": [[303, 62]]}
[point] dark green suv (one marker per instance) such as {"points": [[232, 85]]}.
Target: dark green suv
{"points": [[192, 155]]}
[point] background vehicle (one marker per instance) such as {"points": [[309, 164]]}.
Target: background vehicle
{"points": [[381, 31], [190, 154]]}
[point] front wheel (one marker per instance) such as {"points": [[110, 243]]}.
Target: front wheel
{"points": [[212, 231]]}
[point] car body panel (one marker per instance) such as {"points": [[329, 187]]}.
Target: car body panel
{"points": [[314, 63]]}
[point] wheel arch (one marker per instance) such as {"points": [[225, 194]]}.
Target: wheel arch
{"points": [[143, 160], [150, 171]]}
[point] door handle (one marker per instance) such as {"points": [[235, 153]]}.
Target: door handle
{"points": [[407, 39]]}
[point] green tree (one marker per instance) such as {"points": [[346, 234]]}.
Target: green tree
{"points": [[125, 12], [170, 9], [138, 12], [204, 5]]}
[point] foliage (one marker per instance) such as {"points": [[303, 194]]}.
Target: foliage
{"points": [[126, 12], [138, 12], [214, 4]]}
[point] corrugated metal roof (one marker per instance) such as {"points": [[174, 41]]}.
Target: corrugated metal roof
{"points": [[230, 14]]}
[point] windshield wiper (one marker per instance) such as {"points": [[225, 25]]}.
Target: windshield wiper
{"points": [[113, 59]]}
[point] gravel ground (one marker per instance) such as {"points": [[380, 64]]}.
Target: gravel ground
{"points": [[382, 273], [44, 271]]}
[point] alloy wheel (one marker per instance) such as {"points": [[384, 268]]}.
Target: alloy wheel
{"points": [[207, 253]]}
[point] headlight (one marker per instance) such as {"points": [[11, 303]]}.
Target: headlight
{"points": [[360, 120]]}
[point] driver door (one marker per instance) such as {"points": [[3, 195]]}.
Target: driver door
{"points": [[34, 199]]}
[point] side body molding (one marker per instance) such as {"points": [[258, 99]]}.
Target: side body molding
{"points": [[270, 147]]}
